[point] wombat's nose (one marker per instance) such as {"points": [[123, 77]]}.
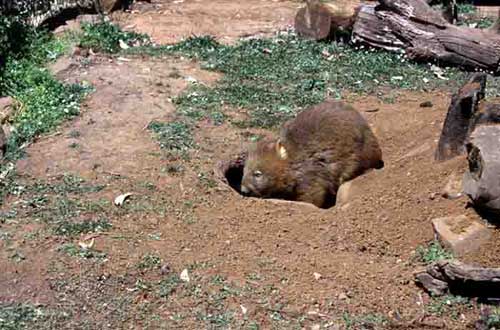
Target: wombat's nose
{"points": [[245, 190]]}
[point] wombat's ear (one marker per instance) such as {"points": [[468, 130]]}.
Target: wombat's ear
{"points": [[281, 150]]}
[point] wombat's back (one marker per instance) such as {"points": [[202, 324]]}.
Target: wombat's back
{"points": [[333, 132]]}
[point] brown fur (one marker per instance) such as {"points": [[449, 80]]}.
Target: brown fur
{"points": [[324, 146]]}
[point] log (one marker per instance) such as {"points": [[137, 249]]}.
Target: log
{"points": [[459, 119], [409, 25], [458, 278], [482, 180], [324, 20]]}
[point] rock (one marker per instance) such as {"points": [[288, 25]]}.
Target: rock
{"points": [[426, 104], [453, 188], [482, 181], [6, 108], [110, 5], [343, 296], [460, 234], [348, 191]]}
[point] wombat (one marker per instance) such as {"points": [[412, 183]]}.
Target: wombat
{"points": [[324, 146]]}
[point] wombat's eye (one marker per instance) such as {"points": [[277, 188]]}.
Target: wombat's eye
{"points": [[257, 174]]}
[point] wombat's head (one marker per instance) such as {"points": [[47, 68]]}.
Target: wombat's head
{"points": [[264, 174]]}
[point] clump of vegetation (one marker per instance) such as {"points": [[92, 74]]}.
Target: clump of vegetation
{"points": [[431, 253], [43, 101], [106, 37], [368, 321], [175, 137], [68, 228], [448, 304], [18, 316], [149, 261], [76, 251]]}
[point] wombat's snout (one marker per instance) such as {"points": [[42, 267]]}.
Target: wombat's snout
{"points": [[245, 190]]}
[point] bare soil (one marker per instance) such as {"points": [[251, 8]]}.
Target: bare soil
{"points": [[271, 251]]}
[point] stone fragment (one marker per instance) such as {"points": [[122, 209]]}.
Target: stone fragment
{"points": [[460, 234]]}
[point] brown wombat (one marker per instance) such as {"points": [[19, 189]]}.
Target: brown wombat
{"points": [[324, 146]]}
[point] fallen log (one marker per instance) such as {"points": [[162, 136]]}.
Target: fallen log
{"points": [[409, 25], [455, 277], [459, 120]]}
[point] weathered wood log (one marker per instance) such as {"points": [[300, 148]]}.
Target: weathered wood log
{"points": [[323, 20], [482, 180], [459, 119], [408, 25], [458, 278], [41, 10]]}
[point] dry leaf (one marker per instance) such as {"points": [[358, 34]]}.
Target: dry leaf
{"points": [[86, 246], [121, 199], [123, 45], [184, 275], [243, 309]]}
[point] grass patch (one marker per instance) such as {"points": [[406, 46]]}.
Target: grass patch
{"points": [[76, 251], [68, 228], [149, 261], [18, 316], [367, 321], [107, 37], [431, 253], [449, 305], [274, 78], [175, 137], [168, 285]]}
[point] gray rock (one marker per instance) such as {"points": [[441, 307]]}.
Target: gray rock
{"points": [[482, 181]]}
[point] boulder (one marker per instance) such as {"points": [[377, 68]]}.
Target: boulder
{"points": [[482, 180], [461, 234]]}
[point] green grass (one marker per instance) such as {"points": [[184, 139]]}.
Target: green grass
{"points": [[69, 228], [76, 251], [149, 261], [431, 253], [274, 78], [449, 305], [105, 37], [361, 322], [175, 137], [18, 316]]}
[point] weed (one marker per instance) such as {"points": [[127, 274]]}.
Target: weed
{"points": [[175, 137], [76, 251], [448, 304], [149, 261], [106, 37], [168, 285], [67, 228], [432, 252], [74, 145], [18, 316], [367, 321]]}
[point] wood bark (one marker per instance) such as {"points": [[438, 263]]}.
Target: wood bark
{"points": [[458, 278], [410, 25], [459, 120], [323, 20]]}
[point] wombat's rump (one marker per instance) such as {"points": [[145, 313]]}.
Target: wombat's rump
{"points": [[324, 146]]}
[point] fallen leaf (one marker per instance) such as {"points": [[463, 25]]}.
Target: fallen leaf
{"points": [[121, 199], [123, 45], [243, 309], [184, 275], [86, 246]]}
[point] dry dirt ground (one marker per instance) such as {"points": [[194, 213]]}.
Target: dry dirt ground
{"points": [[251, 263]]}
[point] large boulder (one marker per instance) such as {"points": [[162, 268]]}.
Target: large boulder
{"points": [[482, 181]]}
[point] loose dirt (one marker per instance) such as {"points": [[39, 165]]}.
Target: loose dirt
{"points": [[363, 250]]}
